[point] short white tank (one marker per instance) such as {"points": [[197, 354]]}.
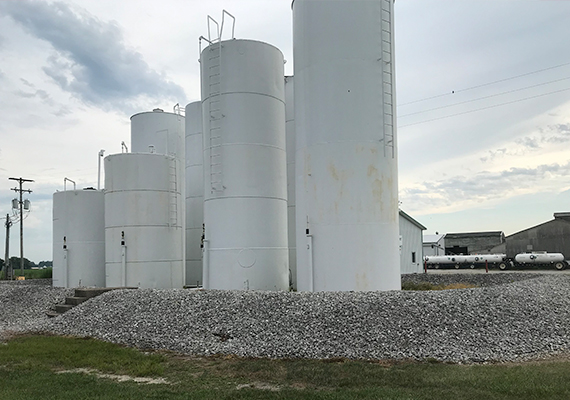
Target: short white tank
{"points": [[245, 175], [159, 132], [144, 234], [290, 132], [79, 238], [346, 158], [539, 258], [194, 193]]}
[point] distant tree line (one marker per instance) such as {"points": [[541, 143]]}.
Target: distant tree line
{"points": [[15, 263]]}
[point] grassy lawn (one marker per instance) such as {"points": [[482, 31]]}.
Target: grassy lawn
{"points": [[31, 273], [31, 368]]}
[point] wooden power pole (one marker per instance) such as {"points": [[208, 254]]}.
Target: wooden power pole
{"points": [[21, 203]]}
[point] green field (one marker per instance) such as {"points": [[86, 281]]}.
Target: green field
{"points": [[46, 367], [45, 273]]}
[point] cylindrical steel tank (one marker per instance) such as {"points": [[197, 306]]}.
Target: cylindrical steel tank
{"points": [[290, 133], [194, 193], [78, 238], [539, 258], [159, 132], [346, 158], [245, 172], [144, 234]]}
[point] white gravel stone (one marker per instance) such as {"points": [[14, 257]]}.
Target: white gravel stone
{"points": [[519, 320]]}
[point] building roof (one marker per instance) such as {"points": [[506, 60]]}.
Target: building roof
{"points": [[473, 234], [413, 221], [430, 239], [562, 216]]}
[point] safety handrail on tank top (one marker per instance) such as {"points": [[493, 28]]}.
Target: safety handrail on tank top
{"points": [[224, 13], [217, 39], [65, 180]]}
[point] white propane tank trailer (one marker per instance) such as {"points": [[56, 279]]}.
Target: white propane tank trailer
{"points": [[472, 261], [537, 259], [540, 259]]}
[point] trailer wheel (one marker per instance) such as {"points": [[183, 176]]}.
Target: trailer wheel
{"points": [[560, 266], [502, 266]]}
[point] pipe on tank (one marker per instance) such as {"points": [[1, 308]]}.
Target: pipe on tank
{"points": [[123, 260], [310, 262], [101, 154], [206, 262], [65, 263]]}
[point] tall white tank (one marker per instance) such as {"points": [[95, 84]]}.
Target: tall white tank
{"points": [[245, 171], [290, 147], [78, 238], [144, 234], [346, 159], [159, 130], [194, 193]]}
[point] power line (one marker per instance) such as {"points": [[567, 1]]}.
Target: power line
{"points": [[485, 108], [484, 97], [483, 85]]}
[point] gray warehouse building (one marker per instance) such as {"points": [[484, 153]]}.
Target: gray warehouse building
{"points": [[473, 242], [552, 236]]}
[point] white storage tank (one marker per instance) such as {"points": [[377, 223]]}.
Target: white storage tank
{"points": [[159, 132], [78, 238], [245, 178], [346, 159], [290, 148], [144, 234], [194, 193]]}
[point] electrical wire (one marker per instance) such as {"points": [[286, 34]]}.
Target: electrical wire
{"points": [[483, 84], [483, 98], [485, 108]]}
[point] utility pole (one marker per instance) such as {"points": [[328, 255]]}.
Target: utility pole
{"points": [[7, 274], [21, 191]]}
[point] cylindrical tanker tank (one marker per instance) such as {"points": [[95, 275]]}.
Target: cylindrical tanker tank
{"points": [[245, 178], [144, 234], [290, 149], [78, 238], [194, 193], [159, 132], [539, 258], [346, 153]]}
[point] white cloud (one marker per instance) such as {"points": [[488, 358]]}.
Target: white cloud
{"points": [[90, 59]]}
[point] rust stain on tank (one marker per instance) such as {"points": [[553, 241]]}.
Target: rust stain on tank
{"points": [[372, 171], [333, 172]]}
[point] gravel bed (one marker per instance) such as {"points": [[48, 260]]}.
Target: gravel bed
{"points": [[23, 304], [474, 279], [526, 319]]}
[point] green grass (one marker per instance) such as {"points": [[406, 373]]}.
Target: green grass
{"points": [[45, 273], [28, 367]]}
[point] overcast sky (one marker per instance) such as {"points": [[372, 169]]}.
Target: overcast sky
{"points": [[483, 90]]}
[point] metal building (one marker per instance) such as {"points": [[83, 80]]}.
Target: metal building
{"points": [[245, 175], [552, 236], [346, 152], [434, 245], [78, 238], [290, 147], [473, 242], [144, 231], [411, 253], [194, 193]]}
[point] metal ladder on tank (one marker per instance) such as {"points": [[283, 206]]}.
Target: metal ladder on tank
{"points": [[215, 115], [173, 194], [387, 78]]}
